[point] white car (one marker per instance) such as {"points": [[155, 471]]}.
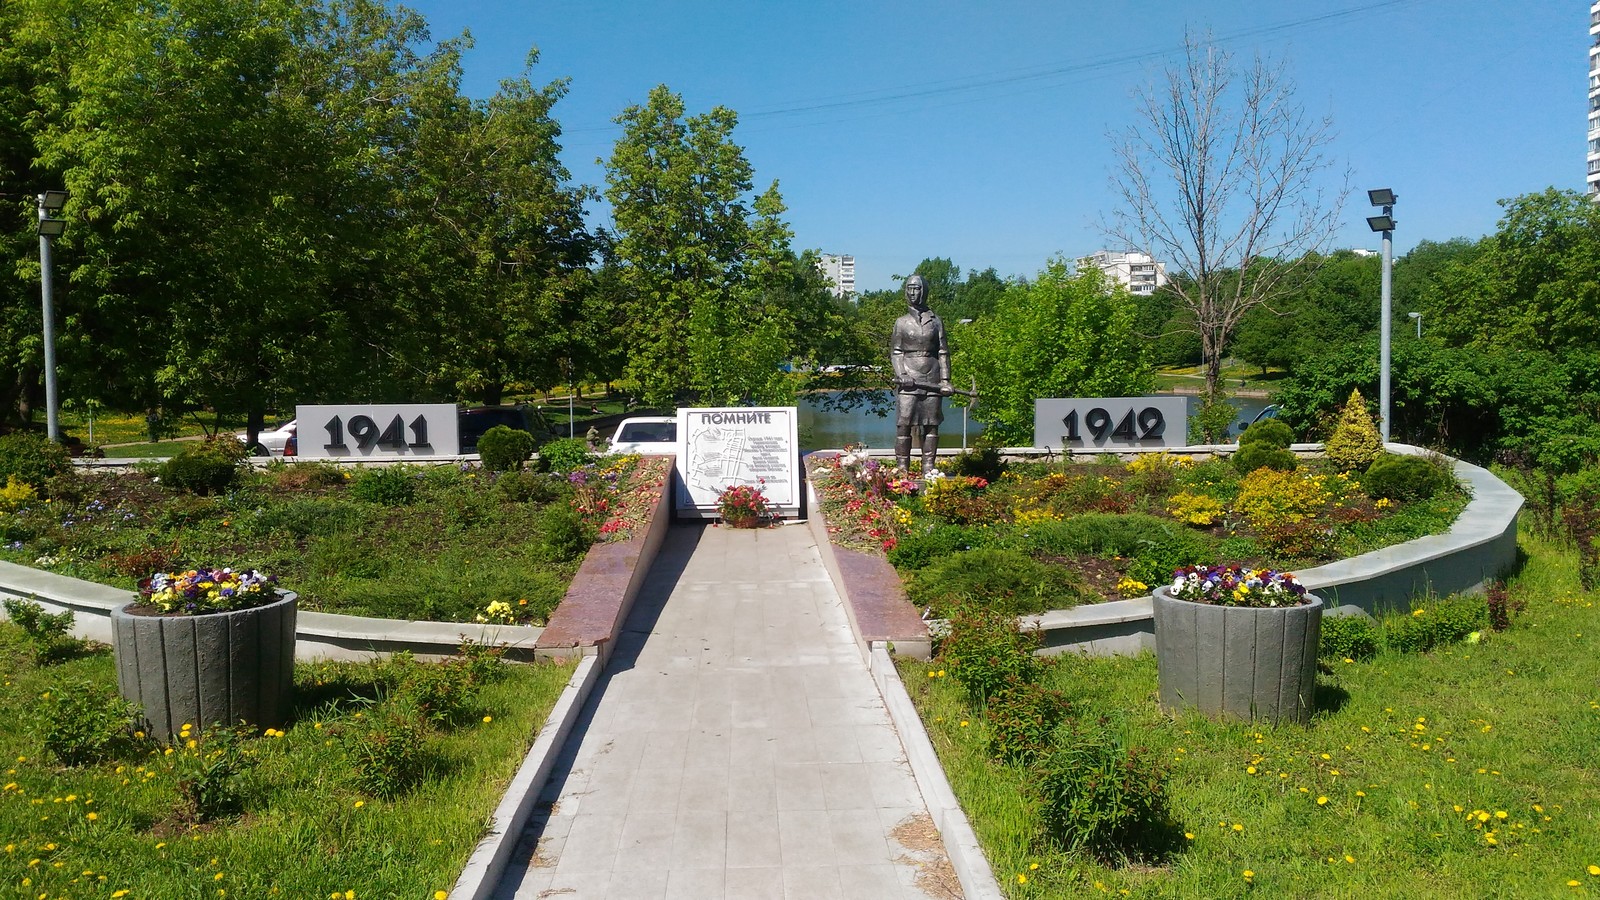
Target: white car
{"points": [[271, 442], [646, 435]]}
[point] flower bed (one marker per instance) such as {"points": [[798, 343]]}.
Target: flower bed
{"points": [[438, 543], [1036, 536]]}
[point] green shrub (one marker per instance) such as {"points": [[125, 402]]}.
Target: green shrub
{"points": [[1250, 457], [1395, 477], [918, 549], [47, 633], [987, 652], [531, 487], [1004, 580], [1022, 719], [441, 693], [301, 475], [564, 455], [1169, 547], [563, 533], [1210, 423], [211, 774], [32, 459], [1348, 637], [1355, 442], [1101, 798], [385, 486], [1272, 432], [505, 449], [1428, 626], [1092, 534], [389, 751], [80, 722], [979, 462], [200, 469]]}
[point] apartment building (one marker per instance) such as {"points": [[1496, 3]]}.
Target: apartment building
{"points": [[1137, 271], [841, 273]]}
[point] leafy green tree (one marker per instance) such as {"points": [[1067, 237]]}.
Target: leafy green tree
{"points": [[1063, 335], [706, 273]]}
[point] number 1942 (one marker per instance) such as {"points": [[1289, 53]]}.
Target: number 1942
{"points": [[1137, 425]]}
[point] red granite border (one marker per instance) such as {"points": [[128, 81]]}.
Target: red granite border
{"points": [[596, 603], [874, 597]]}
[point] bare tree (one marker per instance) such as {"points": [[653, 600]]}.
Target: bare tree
{"points": [[1224, 178]]}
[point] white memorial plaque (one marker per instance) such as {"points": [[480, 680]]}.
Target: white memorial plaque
{"points": [[1111, 423], [719, 448], [376, 430]]}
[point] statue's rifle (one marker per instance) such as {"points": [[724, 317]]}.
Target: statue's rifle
{"points": [[919, 386]]}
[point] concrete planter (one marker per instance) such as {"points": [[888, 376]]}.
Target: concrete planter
{"points": [[202, 670], [1238, 662]]}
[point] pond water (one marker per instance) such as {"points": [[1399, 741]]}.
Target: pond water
{"points": [[823, 429]]}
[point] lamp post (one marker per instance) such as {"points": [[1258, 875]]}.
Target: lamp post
{"points": [[50, 228], [1384, 223], [1417, 317]]}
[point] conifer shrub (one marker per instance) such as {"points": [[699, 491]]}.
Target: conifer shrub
{"points": [[1355, 442]]}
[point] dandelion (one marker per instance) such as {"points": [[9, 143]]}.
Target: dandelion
{"points": [[440, 895], [360, 803], [1021, 878], [488, 719], [1594, 871], [1248, 874], [1238, 827], [1322, 801], [92, 816], [1348, 858]]}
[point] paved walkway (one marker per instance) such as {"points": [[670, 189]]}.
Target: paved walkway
{"points": [[735, 747]]}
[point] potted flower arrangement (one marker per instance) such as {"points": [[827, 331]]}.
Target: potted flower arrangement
{"points": [[743, 505], [206, 646], [1237, 642]]}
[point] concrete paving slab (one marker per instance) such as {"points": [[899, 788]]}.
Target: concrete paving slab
{"points": [[736, 746]]}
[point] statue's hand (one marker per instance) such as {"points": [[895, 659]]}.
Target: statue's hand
{"points": [[945, 389]]}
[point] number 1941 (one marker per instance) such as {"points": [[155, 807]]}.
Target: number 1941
{"points": [[366, 433]]}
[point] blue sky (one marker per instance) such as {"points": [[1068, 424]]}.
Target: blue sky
{"points": [[979, 132]]}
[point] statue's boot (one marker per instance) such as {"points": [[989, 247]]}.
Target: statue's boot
{"points": [[902, 453], [930, 453]]}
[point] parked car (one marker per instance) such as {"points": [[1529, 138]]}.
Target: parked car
{"points": [[272, 442], [646, 434], [472, 423]]}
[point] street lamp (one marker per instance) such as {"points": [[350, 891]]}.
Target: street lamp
{"points": [[1385, 198], [50, 228], [1418, 318]]}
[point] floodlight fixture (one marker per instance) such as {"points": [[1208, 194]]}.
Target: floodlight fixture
{"points": [[1384, 222], [52, 201], [1381, 197], [52, 227]]}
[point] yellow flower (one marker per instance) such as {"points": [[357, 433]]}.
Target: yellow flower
{"points": [[1238, 827], [963, 723], [488, 719], [1322, 801], [1021, 878], [1248, 874], [1595, 871], [360, 803], [92, 816], [121, 893], [217, 877], [1348, 858], [440, 895]]}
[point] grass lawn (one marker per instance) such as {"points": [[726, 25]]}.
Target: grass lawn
{"points": [[1466, 772], [1235, 376], [305, 829]]}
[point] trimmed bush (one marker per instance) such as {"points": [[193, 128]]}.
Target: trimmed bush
{"points": [[200, 469], [1262, 455], [563, 533], [389, 752], [1272, 432], [1006, 581], [1395, 477], [1348, 637], [1167, 548], [32, 459], [505, 449], [564, 455], [979, 462], [1355, 443], [1103, 799]]}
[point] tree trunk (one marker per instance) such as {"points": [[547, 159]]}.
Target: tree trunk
{"points": [[493, 393]]}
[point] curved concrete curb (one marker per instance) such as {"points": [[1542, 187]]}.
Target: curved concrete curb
{"points": [[960, 841], [1479, 547], [487, 863]]}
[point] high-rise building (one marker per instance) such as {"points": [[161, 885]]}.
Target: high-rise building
{"points": [[1594, 101], [840, 272], [1137, 271]]}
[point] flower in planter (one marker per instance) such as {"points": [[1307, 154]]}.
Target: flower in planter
{"points": [[1234, 585], [200, 591], [743, 505]]}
